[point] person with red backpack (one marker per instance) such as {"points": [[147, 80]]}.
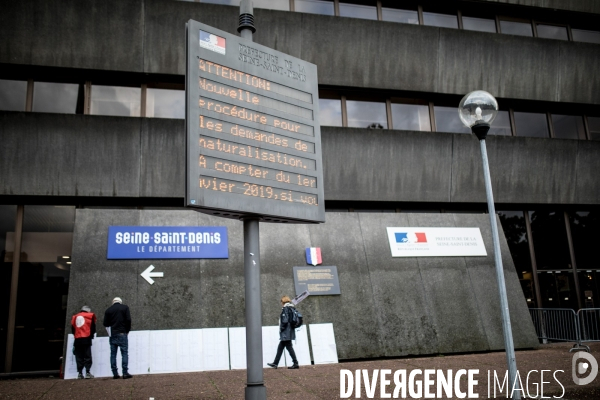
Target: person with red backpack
{"points": [[83, 326]]}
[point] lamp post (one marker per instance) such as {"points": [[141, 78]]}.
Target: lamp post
{"points": [[477, 110]]}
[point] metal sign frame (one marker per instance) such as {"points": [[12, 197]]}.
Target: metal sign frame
{"points": [[253, 139]]}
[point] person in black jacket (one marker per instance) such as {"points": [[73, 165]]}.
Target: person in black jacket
{"points": [[118, 319], [287, 333]]}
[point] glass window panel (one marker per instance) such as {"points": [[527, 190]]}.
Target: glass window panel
{"points": [[585, 231], [441, 20], [594, 127], [314, 7], [12, 95], [43, 274], [283, 5], [364, 114], [516, 28], [585, 36], [8, 216], [358, 11], [548, 290], [588, 284], [397, 15], [55, 97], [549, 237], [116, 100], [552, 32], [479, 24], [501, 125], [447, 120], [568, 127], [330, 112], [531, 124], [411, 117], [165, 103]]}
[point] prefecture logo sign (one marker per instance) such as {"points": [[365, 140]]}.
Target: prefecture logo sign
{"points": [[435, 242]]}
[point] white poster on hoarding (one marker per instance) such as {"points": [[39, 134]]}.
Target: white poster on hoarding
{"points": [[436, 242]]}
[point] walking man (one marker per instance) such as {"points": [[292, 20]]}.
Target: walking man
{"points": [[83, 326], [117, 319], [287, 333]]}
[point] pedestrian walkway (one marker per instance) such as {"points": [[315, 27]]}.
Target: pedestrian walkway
{"points": [[315, 382]]}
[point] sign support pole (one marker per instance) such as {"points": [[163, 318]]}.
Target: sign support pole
{"points": [[255, 387]]}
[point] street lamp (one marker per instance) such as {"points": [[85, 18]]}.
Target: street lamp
{"points": [[477, 110]]}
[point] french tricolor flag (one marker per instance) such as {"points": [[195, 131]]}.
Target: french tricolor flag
{"points": [[313, 255], [212, 42]]}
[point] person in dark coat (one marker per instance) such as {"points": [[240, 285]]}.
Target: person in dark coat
{"points": [[118, 319], [83, 326], [287, 333]]}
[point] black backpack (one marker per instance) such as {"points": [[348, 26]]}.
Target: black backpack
{"points": [[296, 318]]}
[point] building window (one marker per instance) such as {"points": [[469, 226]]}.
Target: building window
{"points": [[116, 100], [57, 97], [501, 125], [314, 7], [594, 127], [13, 95], [516, 28], [398, 15], [568, 127], [447, 120], [580, 35], [479, 24], [585, 230], [283, 5], [366, 114], [531, 124], [330, 112], [165, 103], [441, 20], [549, 236], [411, 117], [358, 11], [552, 32], [515, 231]]}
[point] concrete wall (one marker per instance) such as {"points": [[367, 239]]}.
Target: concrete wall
{"points": [[81, 155], [147, 36], [388, 306]]}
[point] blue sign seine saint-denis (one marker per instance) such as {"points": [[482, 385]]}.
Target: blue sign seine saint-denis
{"points": [[145, 242]]}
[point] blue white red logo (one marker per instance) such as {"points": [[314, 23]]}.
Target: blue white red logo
{"points": [[411, 237], [212, 42], [313, 255]]}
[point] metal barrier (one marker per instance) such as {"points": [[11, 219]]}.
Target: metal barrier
{"points": [[589, 325], [564, 324]]}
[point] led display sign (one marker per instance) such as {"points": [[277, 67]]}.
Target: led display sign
{"points": [[253, 135]]}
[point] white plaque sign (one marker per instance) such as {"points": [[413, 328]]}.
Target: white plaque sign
{"points": [[436, 242]]}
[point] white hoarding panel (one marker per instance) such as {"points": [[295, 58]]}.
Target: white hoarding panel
{"points": [[215, 349], [237, 348], [300, 348], [189, 349], [270, 337], [323, 343]]}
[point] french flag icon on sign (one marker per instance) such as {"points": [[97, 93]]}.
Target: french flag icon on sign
{"points": [[313, 255], [212, 42]]}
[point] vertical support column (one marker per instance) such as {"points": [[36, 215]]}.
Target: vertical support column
{"points": [[536, 280], [506, 325], [14, 284], [255, 389], [573, 261], [255, 386]]}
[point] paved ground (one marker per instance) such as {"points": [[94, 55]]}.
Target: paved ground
{"points": [[314, 382]]}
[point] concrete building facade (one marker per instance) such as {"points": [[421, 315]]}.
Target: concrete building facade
{"points": [[92, 133]]}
